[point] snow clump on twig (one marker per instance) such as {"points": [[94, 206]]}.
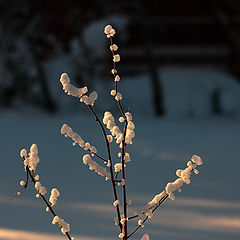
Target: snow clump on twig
{"points": [[68, 132], [32, 159], [53, 197], [87, 160], [65, 227]]}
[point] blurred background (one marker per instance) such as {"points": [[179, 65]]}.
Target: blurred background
{"points": [[161, 39], [180, 76]]}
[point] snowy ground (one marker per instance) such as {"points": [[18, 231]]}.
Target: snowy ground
{"points": [[206, 209]]}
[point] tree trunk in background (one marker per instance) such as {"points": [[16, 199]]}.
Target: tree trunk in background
{"points": [[156, 85]]}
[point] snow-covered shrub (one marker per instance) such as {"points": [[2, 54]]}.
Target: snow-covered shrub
{"points": [[113, 171]]}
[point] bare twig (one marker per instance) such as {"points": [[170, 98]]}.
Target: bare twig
{"points": [[44, 199], [111, 168], [146, 218]]}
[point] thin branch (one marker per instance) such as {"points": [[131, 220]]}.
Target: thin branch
{"points": [[22, 188], [44, 199], [132, 217], [15, 194], [146, 218], [123, 178], [116, 83], [95, 154], [111, 168]]}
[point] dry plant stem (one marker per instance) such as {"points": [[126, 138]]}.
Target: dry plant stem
{"points": [[44, 199], [123, 178], [146, 218], [111, 169], [95, 154], [116, 85], [22, 188], [123, 149]]}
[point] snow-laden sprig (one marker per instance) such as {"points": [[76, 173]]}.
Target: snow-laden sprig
{"points": [[30, 163], [32, 159], [89, 100], [65, 227], [109, 31], [53, 197], [184, 177], [70, 89], [130, 129], [68, 132], [109, 121], [87, 160], [126, 157], [41, 189], [78, 92]]}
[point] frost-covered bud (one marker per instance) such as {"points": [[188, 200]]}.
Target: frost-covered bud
{"points": [[33, 158], [123, 181], [18, 193], [117, 78], [37, 195], [121, 119], [128, 116], [22, 183], [53, 197], [121, 235], [34, 148], [117, 202], [140, 222], [65, 227], [114, 71], [196, 159], [37, 177], [129, 201], [117, 167], [116, 58], [111, 34], [87, 146], [108, 29], [23, 153], [113, 92], [108, 163], [114, 47], [120, 138], [47, 209], [109, 138], [118, 96], [42, 190]]}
